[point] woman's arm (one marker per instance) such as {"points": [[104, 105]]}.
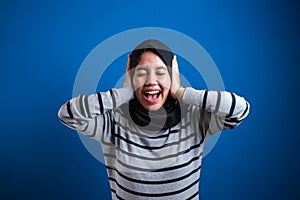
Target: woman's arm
{"points": [[217, 110], [226, 110], [80, 113]]}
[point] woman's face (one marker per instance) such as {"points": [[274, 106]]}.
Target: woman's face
{"points": [[151, 81]]}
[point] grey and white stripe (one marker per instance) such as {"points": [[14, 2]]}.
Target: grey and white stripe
{"points": [[164, 164]]}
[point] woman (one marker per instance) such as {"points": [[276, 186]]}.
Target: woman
{"points": [[152, 130]]}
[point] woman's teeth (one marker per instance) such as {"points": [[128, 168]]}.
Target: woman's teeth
{"points": [[152, 92], [152, 95]]}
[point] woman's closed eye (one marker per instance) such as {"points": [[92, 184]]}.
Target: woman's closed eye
{"points": [[161, 71], [141, 71], [141, 74]]}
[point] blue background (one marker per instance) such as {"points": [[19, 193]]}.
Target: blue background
{"points": [[255, 44]]}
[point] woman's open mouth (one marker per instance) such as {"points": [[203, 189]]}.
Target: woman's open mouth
{"points": [[152, 96]]}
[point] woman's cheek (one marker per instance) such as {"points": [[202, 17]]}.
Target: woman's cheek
{"points": [[138, 83], [166, 83]]}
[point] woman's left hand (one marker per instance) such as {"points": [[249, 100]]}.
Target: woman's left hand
{"points": [[175, 84]]}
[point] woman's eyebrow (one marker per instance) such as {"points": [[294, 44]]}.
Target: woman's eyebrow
{"points": [[139, 68], [161, 67]]}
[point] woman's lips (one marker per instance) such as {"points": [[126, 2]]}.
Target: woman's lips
{"points": [[152, 96]]}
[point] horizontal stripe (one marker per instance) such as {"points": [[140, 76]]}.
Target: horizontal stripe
{"points": [[155, 194], [151, 158], [232, 107], [233, 120], [218, 103], [81, 105], [127, 147], [204, 100], [132, 132], [86, 126], [127, 141], [100, 103], [95, 128], [230, 126], [69, 110], [115, 192], [159, 136], [113, 97], [86, 104], [246, 110], [155, 182], [203, 124], [194, 195], [136, 168], [179, 166], [119, 197]]}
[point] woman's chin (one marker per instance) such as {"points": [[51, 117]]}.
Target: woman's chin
{"points": [[154, 107]]}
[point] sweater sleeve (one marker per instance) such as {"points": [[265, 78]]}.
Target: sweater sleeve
{"points": [[218, 110], [89, 113]]}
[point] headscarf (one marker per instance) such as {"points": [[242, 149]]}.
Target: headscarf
{"points": [[169, 114]]}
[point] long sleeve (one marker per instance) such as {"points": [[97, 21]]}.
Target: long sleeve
{"points": [[88, 113], [219, 110]]}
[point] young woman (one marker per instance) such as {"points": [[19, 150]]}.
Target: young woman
{"points": [[152, 130]]}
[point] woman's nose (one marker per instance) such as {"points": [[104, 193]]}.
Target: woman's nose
{"points": [[151, 79]]}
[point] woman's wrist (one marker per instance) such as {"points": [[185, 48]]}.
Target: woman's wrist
{"points": [[179, 93]]}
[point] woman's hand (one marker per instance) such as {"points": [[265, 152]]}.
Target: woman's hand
{"points": [[127, 82], [175, 84]]}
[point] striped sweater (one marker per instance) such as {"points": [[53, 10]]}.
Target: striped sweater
{"points": [[161, 164]]}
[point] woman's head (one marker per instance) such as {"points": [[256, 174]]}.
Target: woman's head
{"points": [[151, 62]]}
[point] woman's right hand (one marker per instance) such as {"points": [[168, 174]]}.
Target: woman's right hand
{"points": [[127, 82]]}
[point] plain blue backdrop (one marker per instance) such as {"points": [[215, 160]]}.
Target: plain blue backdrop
{"points": [[255, 44]]}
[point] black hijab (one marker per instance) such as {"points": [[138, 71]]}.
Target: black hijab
{"points": [[169, 114]]}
